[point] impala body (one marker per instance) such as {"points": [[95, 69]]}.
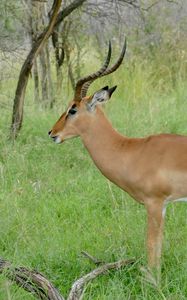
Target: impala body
{"points": [[153, 170]]}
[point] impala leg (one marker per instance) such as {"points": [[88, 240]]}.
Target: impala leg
{"points": [[155, 219]]}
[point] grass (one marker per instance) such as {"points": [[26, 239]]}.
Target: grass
{"points": [[54, 203]]}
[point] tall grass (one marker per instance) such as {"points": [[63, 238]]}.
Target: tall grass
{"points": [[54, 203]]}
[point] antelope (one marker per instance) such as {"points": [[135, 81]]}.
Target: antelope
{"points": [[153, 169]]}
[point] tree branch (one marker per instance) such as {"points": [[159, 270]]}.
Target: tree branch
{"points": [[67, 10]]}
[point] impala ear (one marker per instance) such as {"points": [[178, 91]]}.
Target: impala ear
{"points": [[101, 96]]}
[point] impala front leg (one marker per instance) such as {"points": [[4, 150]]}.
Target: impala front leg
{"points": [[155, 224]]}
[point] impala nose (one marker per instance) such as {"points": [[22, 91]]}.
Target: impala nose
{"points": [[49, 132]]}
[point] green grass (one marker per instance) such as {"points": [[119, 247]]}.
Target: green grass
{"points": [[54, 203]]}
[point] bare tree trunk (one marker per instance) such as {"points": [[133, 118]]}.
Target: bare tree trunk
{"points": [[78, 66], [32, 16], [17, 116], [36, 16], [44, 83], [46, 80], [49, 79], [59, 56], [59, 78], [71, 76], [70, 71], [36, 81], [38, 22]]}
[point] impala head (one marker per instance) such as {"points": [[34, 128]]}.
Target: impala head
{"points": [[83, 108]]}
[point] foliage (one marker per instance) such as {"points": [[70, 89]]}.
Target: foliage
{"points": [[11, 21]]}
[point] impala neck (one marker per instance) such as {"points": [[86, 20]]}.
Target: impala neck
{"points": [[104, 143]]}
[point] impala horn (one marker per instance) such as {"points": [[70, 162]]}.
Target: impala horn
{"points": [[84, 83]]}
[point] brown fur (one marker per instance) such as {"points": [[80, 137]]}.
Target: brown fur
{"points": [[153, 170]]}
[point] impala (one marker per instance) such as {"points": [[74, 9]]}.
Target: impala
{"points": [[153, 169]]}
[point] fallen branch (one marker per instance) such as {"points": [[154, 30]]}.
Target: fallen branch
{"points": [[78, 286], [31, 281], [39, 286]]}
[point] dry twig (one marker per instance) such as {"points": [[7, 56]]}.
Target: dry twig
{"points": [[93, 259]]}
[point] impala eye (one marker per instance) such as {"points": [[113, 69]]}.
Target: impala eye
{"points": [[72, 110]]}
